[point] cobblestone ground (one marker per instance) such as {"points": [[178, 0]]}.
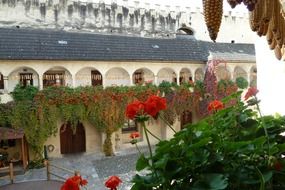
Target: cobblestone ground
{"points": [[95, 168]]}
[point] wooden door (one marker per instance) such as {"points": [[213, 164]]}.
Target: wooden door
{"points": [[72, 142]]}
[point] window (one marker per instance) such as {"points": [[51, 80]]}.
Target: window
{"points": [[53, 79], [138, 77], [130, 126], [1, 81], [26, 79], [96, 78]]}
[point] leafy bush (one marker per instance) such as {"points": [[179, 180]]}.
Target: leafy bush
{"points": [[231, 149]]}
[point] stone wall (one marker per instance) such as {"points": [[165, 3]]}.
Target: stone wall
{"points": [[127, 18]]}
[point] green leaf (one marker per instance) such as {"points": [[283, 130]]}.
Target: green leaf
{"points": [[217, 181], [142, 163], [212, 181], [161, 163]]}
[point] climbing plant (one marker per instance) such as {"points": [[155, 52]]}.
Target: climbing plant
{"points": [[38, 112]]}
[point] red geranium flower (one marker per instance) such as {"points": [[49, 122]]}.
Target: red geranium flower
{"points": [[73, 183], [159, 101], [252, 91], [134, 108], [113, 182], [83, 182], [151, 108], [215, 105], [154, 104], [134, 135]]}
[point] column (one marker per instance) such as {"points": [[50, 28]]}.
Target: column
{"points": [[6, 89], [178, 78], [41, 82], [131, 80], [73, 81], [155, 80]]}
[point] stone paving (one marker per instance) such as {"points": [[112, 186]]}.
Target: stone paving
{"points": [[96, 168]]}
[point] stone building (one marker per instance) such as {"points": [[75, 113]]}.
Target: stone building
{"points": [[45, 43]]}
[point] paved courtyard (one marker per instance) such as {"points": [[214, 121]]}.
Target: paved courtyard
{"points": [[96, 168]]}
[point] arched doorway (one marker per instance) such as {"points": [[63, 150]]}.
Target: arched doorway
{"points": [[142, 76], [199, 75], [71, 142], [117, 77], [185, 76], [166, 75]]}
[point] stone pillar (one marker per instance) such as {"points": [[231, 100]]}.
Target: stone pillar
{"points": [[178, 78], [41, 85], [156, 80], [104, 81], [73, 81], [6, 88], [131, 80]]}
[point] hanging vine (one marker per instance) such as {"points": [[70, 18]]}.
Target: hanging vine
{"points": [[38, 112]]}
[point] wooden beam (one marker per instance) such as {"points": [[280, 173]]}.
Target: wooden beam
{"points": [[23, 153]]}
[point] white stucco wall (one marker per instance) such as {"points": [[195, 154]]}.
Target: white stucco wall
{"points": [[270, 79]]}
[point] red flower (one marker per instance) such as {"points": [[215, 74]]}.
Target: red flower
{"points": [[159, 101], [151, 108], [83, 182], [215, 105], [73, 183], [113, 182], [154, 104], [135, 108], [134, 135], [252, 91]]}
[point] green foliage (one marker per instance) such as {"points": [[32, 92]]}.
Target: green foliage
{"points": [[241, 82], [38, 112], [36, 164], [226, 150], [21, 93], [6, 110]]}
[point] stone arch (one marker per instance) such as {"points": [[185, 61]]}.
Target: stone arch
{"points": [[88, 76], [239, 72], [72, 141], [117, 76], [199, 74], [167, 75], [185, 76], [143, 75], [253, 77], [24, 76], [222, 72], [57, 76]]}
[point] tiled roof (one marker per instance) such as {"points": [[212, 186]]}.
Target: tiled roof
{"points": [[35, 44], [232, 52]]}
